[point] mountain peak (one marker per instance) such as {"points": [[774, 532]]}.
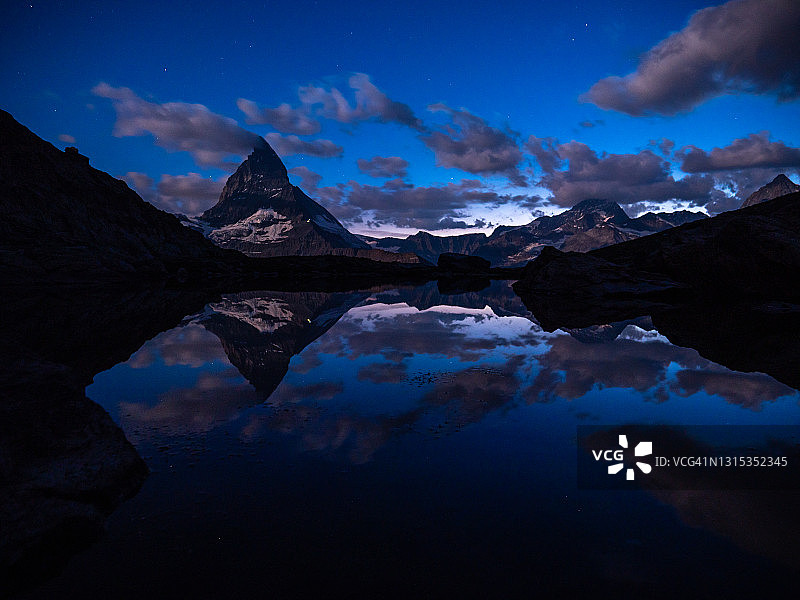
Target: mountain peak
{"points": [[598, 207], [781, 179], [261, 213], [258, 179], [595, 204], [264, 161], [780, 186]]}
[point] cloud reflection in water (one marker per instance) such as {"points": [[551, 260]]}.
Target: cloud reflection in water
{"points": [[349, 378]]}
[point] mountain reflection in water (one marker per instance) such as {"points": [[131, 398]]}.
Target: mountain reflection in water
{"points": [[417, 441]]}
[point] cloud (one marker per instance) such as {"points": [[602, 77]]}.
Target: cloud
{"points": [[383, 372], [574, 172], [215, 398], [286, 145], [571, 368], [740, 168], [177, 126], [451, 223], [66, 138], [383, 166], [545, 150], [142, 184], [188, 194], [738, 185], [370, 104], [665, 146], [743, 46], [470, 144], [190, 345], [284, 118], [756, 150], [308, 178], [424, 207]]}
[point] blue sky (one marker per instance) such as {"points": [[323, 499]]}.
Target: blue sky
{"points": [[481, 113]]}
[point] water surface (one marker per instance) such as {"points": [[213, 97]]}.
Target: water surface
{"points": [[400, 442]]}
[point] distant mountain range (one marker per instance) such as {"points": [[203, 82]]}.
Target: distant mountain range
{"points": [[748, 254], [260, 213], [586, 226]]}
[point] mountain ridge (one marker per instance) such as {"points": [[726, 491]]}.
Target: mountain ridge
{"points": [[780, 186], [64, 219], [590, 224]]}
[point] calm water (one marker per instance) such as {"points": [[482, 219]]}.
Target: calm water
{"points": [[402, 442]]}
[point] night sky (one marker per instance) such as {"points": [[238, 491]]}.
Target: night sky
{"points": [[401, 116]]}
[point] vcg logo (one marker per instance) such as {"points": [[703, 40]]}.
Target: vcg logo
{"points": [[617, 457]]}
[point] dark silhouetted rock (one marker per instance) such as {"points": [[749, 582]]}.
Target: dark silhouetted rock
{"points": [[462, 285], [64, 466], [462, 263], [722, 285], [429, 246], [65, 221], [573, 289], [750, 252]]}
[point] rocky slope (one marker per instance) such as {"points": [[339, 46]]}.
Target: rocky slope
{"points": [[780, 186], [65, 221]]}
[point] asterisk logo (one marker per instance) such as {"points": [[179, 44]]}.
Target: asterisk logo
{"points": [[641, 449]]}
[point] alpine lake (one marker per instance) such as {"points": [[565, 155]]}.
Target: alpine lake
{"points": [[403, 442]]}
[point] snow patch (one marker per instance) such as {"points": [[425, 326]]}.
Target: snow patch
{"points": [[263, 226], [197, 225], [265, 315]]}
